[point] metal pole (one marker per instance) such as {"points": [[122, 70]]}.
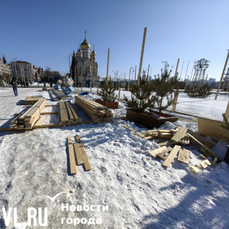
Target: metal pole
{"points": [[222, 75], [142, 52], [107, 65]]}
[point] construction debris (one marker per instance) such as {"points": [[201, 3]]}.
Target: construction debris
{"points": [[97, 112], [200, 166]]}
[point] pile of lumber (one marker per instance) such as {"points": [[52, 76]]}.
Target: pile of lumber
{"points": [[67, 114], [168, 154], [30, 100], [28, 117], [179, 136], [173, 136], [96, 112], [77, 155]]}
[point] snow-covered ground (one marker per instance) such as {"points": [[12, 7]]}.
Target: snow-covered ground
{"points": [[126, 187]]}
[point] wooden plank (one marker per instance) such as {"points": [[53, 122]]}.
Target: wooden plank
{"points": [[40, 121], [200, 166], [165, 143], [79, 160], [52, 125], [179, 134], [71, 157], [183, 156], [171, 156], [50, 105], [207, 144], [15, 120], [219, 158], [155, 152], [212, 128], [49, 113], [87, 165], [165, 154]]}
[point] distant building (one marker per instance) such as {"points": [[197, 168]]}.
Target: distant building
{"points": [[5, 71], [23, 70], [82, 63], [38, 73], [211, 80]]}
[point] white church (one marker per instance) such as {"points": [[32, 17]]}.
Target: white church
{"points": [[86, 65]]}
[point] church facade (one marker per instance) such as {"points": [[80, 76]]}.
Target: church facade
{"points": [[84, 66]]}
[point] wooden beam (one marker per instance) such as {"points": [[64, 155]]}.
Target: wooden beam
{"points": [[183, 156], [87, 165], [79, 160], [225, 65], [155, 152], [171, 156], [40, 121], [179, 134], [219, 158], [71, 157], [141, 58]]}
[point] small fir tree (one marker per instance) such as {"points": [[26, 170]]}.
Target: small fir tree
{"points": [[158, 94], [164, 89], [107, 90], [140, 95], [198, 91]]}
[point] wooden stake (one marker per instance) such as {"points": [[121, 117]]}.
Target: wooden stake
{"points": [[119, 93], [222, 76], [142, 52], [175, 100], [107, 65], [176, 68], [129, 80]]}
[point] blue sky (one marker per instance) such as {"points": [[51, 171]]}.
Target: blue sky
{"points": [[45, 32]]}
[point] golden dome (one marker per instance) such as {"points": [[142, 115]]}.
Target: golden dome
{"points": [[79, 50], [93, 52], [85, 44]]}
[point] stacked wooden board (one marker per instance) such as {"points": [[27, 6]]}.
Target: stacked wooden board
{"points": [[27, 118], [77, 155], [30, 100], [96, 112], [67, 114]]}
